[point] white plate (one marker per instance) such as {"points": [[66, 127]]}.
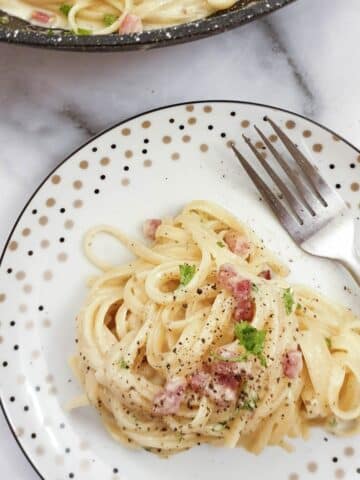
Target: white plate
{"points": [[148, 166]]}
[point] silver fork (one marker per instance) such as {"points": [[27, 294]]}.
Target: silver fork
{"points": [[313, 214]]}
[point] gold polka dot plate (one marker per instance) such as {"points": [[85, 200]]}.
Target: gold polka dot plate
{"points": [[148, 166]]}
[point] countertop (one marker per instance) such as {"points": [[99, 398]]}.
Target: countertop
{"points": [[304, 58]]}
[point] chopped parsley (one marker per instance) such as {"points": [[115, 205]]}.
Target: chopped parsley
{"points": [[254, 287], [252, 339], [298, 306], [328, 343], [65, 9], [83, 31], [123, 364], [186, 273], [220, 244], [109, 19], [289, 301]]}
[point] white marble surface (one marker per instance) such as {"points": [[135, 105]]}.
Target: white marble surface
{"points": [[303, 58]]}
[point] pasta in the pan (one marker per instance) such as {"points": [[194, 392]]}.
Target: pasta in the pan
{"points": [[100, 17]]}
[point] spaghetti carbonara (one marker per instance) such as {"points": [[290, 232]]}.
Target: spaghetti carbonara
{"points": [[100, 17], [200, 339]]}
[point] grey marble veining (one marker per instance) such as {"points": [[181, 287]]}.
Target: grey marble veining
{"points": [[303, 58]]}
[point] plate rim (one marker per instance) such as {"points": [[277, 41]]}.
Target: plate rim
{"points": [[94, 137], [162, 37]]}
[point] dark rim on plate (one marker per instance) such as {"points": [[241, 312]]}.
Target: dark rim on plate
{"points": [[20, 32], [237, 102]]}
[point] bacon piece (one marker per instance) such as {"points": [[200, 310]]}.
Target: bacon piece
{"points": [[168, 400], [199, 381], [237, 243], [223, 389], [41, 17], [245, 306], [150, 226], [225, 276], [220, 380], [229, 368], [241, 291], [292, 363], [131, 24], [266, 274], [245, 310]]}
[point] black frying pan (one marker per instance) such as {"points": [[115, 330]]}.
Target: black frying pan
{"points": [[20, 32]]}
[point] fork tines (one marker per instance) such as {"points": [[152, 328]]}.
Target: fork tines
{"points": [[311, 201]]}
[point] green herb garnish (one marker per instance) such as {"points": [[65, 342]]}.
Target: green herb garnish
{"points": [[109, 19], [83, 31], [289, 301], [65, 9], [298, 306], [328, 342], [186, 273], [123, 364], [220, 244], [252, 339], [254, 287], [4, 20]]}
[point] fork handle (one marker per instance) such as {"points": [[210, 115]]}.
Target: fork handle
{"points": [[338, 241]]}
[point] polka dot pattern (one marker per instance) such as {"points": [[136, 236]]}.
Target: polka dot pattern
{"points": [[317, 147], [84, 164], [44, 276], [56, 179], [13, 245]]}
